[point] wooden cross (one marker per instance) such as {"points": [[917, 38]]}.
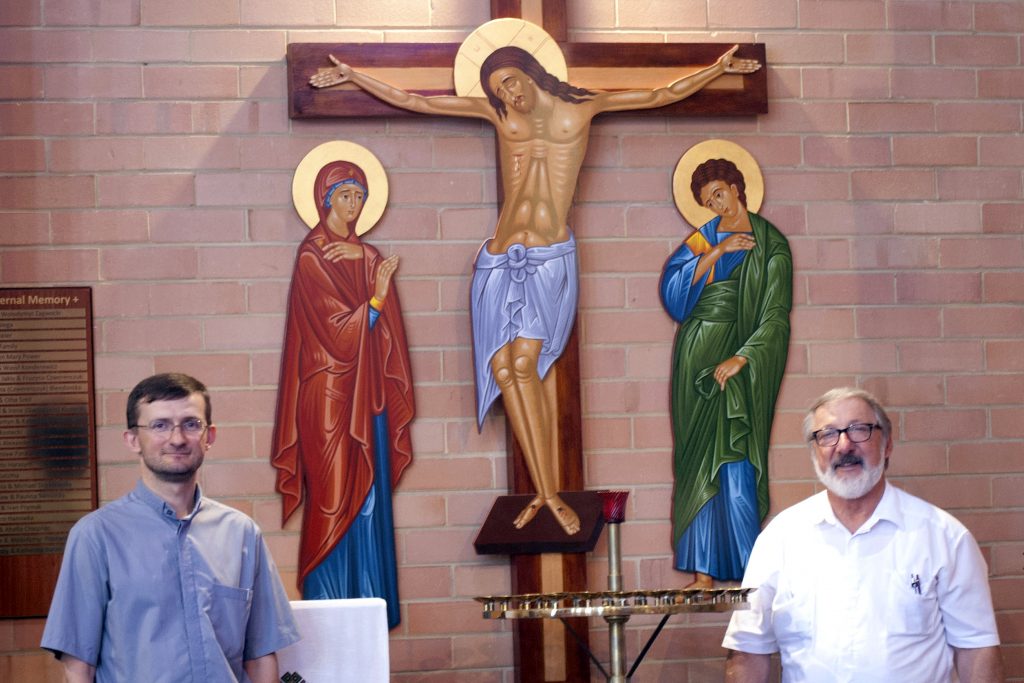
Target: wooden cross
{"points": [[543, 649]]}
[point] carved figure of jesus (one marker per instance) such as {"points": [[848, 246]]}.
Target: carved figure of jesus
{"points": [[525, 288]]}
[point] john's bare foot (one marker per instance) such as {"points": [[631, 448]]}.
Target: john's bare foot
{"points": [[702, 582], [565, 515], [528, 513]]}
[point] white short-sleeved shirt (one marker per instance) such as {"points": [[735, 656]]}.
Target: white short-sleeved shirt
{"points": [[884, 604]]}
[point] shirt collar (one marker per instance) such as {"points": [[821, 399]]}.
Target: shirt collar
{"points": [[147, 497], [888, 509]]}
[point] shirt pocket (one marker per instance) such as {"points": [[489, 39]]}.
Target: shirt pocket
{"points": [[229, 615], [792, 616], [913, 603]]}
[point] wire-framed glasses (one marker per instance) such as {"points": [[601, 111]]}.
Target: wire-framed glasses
{"points": [[857, 433], [190, 427]]}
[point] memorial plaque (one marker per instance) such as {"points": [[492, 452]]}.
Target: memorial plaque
{"points": [[47, 439]]}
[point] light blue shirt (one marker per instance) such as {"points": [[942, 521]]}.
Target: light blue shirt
{"points": [[144, 596]]}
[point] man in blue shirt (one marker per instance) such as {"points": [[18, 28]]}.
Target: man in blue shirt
{"points": [[165, 585]]}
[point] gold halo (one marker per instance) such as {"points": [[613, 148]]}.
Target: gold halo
{"points": [[500, 33], [695, 214], [340, 150]]}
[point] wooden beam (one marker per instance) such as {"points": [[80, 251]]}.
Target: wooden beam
{"points": [[602, 66]]}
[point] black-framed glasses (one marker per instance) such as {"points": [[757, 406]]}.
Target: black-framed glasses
{"points": [[857, 433], [190, 427]]}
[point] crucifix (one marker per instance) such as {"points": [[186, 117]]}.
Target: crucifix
{"points": [[534, 221]]}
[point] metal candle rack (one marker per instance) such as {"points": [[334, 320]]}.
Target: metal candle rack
{"points": [[614, 605]]}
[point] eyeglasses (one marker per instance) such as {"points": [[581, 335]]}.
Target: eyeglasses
{"points": [[857, 433], [190, 427]]}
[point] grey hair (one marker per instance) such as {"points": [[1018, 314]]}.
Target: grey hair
{"points": [[840, 394]]}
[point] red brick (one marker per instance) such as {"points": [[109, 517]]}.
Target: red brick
{"points": [[141, 118], [938, 355], [21, 82], [854, 358], [826, 323], [99, 227], [141, 335], [101, 82], [1005, 217], [872, 253], [73, 13], [936, 287], [934, 84], [910, 322], [938, 217], [841, 288], [941, 16], [1001, 150], [992, 252], [847, 218], [176, 153], [95, 154], [940, 424], [999, 84], [419, 655], [978, 50], [431, 474], [977, 117], [47, 192], [189, 13], [935, 150], [1005, 355], [152, 189], [798, 117], [857, 15], [988, 321], [214, 369], [832, 152], [28, 228], [259, 262], [888, 48], [238, 46], [22, 156], [42, 45], [1008, 423], [751, 14], [823, 186], [891, 185], [150, 263], [190, 82], [431, 546], [185, 226], [49, 267], [20, 14]]}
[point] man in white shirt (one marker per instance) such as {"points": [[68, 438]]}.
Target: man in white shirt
{"points": [[863, 582]]}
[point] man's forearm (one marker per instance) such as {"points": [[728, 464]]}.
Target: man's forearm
{"points": [[745, 667], [978, 665], [263, 669], [77, 671]]}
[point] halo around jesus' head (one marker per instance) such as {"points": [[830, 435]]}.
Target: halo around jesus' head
{"points": [[501, 33], [340, 150], [695, 214]]}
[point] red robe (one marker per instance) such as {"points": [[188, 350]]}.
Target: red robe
{"points": [[336, 375]]}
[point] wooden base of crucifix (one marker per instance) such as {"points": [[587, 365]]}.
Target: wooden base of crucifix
{"points": [[545, 652]]}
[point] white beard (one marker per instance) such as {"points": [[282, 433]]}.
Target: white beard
{"points": [[850, 488]]}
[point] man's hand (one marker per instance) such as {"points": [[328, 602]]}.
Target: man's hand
{"points": [[341, 73], [732, 65]]}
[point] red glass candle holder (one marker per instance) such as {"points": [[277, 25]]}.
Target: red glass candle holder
{"points": [[613, 506]]}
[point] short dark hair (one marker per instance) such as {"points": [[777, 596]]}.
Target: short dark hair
{"points": [[168, 386], [517, 57], [718, 169]]}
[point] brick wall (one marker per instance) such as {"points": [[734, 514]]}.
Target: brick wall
{"points": [[145, 151]]}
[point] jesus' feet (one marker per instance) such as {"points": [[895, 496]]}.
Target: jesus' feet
{"points": [[528, 513], [565, 515]]}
